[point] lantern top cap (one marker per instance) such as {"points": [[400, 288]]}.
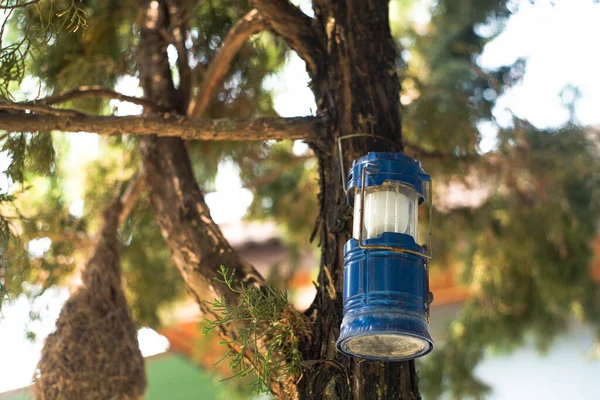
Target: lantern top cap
{"points": [[388, 166]]}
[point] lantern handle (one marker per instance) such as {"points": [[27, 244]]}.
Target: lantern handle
{"points": [[341, 152]]}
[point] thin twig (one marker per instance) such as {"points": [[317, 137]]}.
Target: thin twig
{"points": [[249, 25], [421, 154], [295, 27], [94, 91], [491, 79], [131, 195], [40, 109], [273, 175]]}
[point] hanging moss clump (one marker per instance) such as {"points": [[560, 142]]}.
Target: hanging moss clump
{"points": [[94, 352]]}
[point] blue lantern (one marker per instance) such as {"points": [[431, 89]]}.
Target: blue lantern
{"points": [[386, 287]]}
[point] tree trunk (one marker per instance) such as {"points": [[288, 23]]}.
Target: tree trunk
{"points": [[352, 60], [358, 91], [197, 245]]}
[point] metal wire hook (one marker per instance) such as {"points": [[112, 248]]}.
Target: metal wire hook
{"points": [[341, 152]]}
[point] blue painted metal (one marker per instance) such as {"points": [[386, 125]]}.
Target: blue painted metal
{"points": [[385, 291], [383, 167]]}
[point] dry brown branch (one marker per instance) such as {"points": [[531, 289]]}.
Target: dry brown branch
{"points": [[249, 25], [197, 245], [276, 173], [421, 154], [131, 195], [253, 129], [93, 91], [80, 238], [295, 27], [39, 109]]}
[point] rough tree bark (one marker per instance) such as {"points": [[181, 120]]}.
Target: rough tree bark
{"points": [[352, 60], [167, 125], [197, 246]]}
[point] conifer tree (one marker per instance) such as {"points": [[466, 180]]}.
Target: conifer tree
{"points": [[523, 249]]}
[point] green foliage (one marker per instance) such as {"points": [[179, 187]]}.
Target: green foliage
{"points": [[75, 18], [525, 254], [272, 332], [26, 31], [446, 93], [30, 158], [147, 266], [5, 233], [95, 54], [27, 152], [285, 188], [43, 253], [524, 250], [12, 67], [6, 236]]}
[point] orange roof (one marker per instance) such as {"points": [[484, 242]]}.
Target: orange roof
{"points": [[187, 339], [183, 337], [596, 260]]}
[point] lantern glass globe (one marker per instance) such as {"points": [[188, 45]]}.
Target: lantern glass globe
{"points": [[391, 207]]}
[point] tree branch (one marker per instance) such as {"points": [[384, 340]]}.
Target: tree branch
{"points": [[421, 154], [254, 129], [295, 28], [198, 247], [127, 200], [197, 244], [131, 195], [57, 112], [249, 25], [260, 181], [93, 91]]}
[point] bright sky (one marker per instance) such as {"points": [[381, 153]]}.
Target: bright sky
{"points": [[560, 42], [569, 371]]}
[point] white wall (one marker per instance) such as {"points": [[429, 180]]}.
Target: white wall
{"points": [[568, 371]]}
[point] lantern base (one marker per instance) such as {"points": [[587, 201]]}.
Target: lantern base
{"points": [[384, 336]]}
